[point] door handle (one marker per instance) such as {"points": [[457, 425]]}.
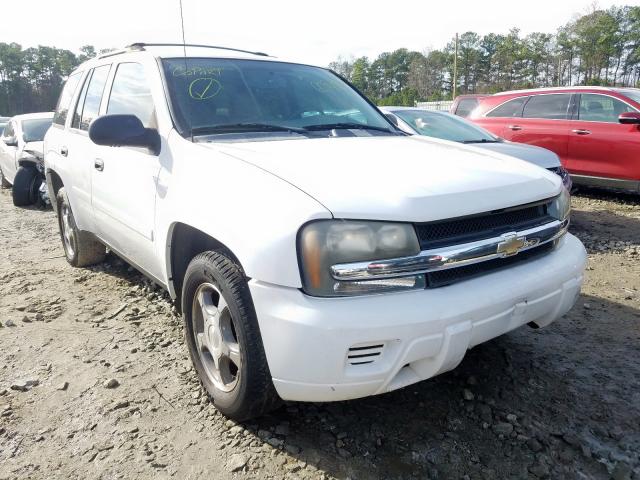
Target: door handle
{"points": [[98, 164], [64, 151], [580, 131], [515, 128]]}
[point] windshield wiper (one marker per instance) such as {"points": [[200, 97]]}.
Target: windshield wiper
{"points": [[481, 140], [245, 127], [346, 126]]}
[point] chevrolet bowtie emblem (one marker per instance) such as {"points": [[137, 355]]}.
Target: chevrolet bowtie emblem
{"points": [[511, 244]]}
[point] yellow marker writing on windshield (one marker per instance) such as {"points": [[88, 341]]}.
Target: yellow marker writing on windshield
{"points": [[204, 88]]}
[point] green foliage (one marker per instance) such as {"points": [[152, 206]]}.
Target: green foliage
{"points": [[31, 79], [407, 97], [599, 48]]}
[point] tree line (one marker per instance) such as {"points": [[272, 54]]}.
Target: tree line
{"points": [[598, 48], [31, 78]]}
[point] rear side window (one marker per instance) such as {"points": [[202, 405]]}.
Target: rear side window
{"points": [[130, 94], [601, 108], [552, 107], [64, 102], [466, 106], [512, 108], [91, 97]]}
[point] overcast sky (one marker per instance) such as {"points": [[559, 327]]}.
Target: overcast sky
{"points": [[306, 30]]}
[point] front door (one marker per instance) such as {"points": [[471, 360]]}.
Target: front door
{"points": [[124, 178], [599, 145]]}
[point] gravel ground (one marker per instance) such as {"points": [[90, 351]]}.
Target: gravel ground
{"points": [[95, 382]]}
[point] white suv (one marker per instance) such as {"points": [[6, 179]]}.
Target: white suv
{"points": [[317, 252]]}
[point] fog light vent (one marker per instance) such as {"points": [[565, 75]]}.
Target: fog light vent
{"points": [[364, 354]]}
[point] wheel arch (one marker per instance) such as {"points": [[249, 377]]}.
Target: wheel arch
{"points": [[54, 184], [184, 242]]}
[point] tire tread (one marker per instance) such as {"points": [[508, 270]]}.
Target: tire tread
{"points": [[261, 396]]}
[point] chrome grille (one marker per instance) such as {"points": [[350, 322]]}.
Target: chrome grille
{"points": [[481, 226]]}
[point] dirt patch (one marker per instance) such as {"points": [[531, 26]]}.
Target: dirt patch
{"points": [[95, 382]]}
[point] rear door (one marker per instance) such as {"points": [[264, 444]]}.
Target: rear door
{"points": [[599, 145], [79, 148], [544, 123], [124, 178]]}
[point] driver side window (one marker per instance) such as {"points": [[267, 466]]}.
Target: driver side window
{"points": [[130, 94], [601, 108]]}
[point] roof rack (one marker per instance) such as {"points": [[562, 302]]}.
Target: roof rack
{"points": [[113, 52], [575, 87], [141, 45]]}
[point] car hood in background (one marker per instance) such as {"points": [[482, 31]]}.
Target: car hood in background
{"points": [[412, 179], [530, 153]]}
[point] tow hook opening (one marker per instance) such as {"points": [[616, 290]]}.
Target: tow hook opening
{"points": [[533, 325]]}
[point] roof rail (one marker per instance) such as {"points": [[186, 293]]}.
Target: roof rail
{"points": [[113, 52], [141, 45]]}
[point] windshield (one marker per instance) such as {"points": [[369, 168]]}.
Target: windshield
{"points": [[447, 127], [632, 94], [34, 130], [213, 96]]}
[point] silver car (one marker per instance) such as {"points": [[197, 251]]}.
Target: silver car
{"points": [[433, 123]]}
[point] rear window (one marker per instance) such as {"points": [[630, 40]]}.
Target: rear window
{"points": [[512, 108], [64, 102], [553, 107], [466, 106], [34, 130]]}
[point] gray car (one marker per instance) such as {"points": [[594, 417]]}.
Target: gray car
{"points": [[432, 123]]}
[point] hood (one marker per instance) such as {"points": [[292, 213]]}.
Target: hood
{"points": [[35, 149], [529, 153], [412, 179]]}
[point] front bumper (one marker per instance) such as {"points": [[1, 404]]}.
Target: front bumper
{"points": [[314, 346]]}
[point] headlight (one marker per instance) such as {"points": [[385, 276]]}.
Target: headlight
{"points": [[328, 242], [560, 208]]}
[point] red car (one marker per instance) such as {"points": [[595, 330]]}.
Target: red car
{"points": [[594, 130]]}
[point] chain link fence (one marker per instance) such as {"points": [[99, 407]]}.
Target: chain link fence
{"points": [[442, 105]]}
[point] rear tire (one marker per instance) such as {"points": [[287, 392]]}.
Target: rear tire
{"points": [[4, 183], [26, 186], [81, 248], [224, 340]]}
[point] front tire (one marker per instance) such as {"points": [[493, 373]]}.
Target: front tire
{"points": [[80, 248], [223, 338], [26, 187]]}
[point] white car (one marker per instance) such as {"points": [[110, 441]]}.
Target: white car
{"points": [[317, 252], [21, 158]]}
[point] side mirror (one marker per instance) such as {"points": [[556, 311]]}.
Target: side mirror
{"points": [[124, 131], [11, 142], [629, 118]]}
